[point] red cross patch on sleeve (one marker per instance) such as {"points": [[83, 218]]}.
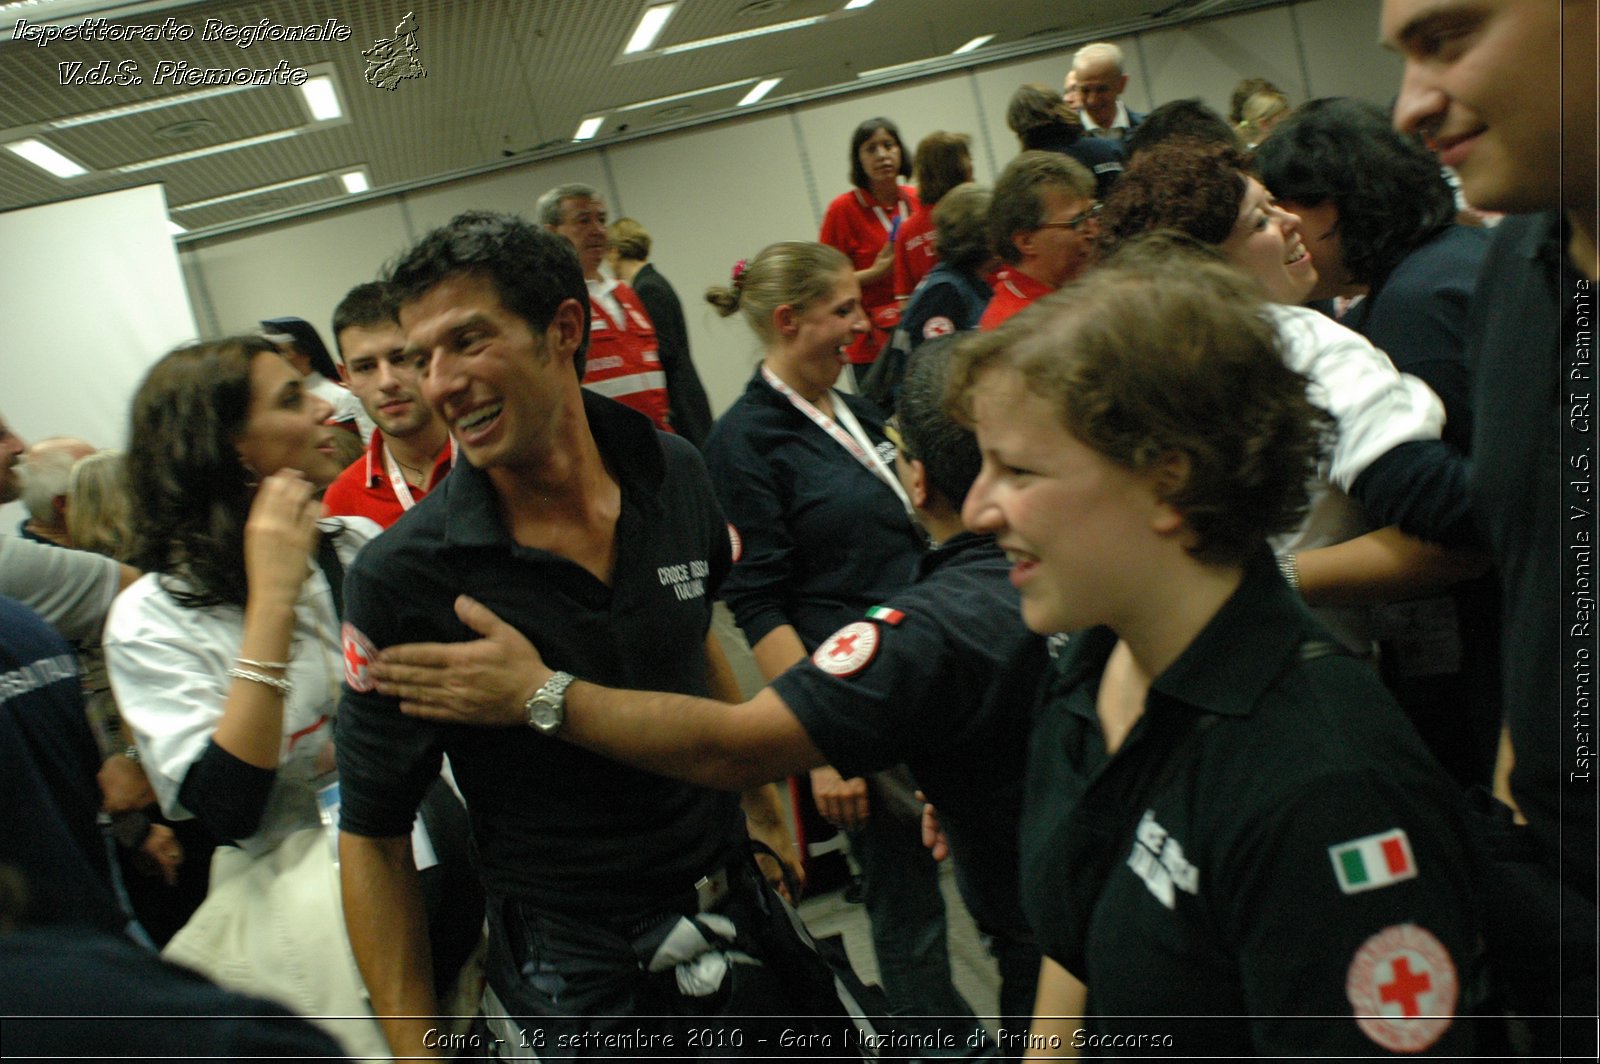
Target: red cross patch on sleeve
{"points": [[847, 651], [1402, 988], [358, 655], [938, 325]]}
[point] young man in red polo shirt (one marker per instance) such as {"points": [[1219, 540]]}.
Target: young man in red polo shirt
{"points": [[411, 449]]}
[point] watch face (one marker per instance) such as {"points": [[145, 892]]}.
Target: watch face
{"points": [[543, 714]]}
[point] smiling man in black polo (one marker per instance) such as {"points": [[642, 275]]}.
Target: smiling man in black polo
{"points": [[613, 892]]}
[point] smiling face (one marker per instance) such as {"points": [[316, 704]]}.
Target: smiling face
{"points": [[1319, 231], [502, 389], [583, 223], [1483, 86], [1266, 244], [1071, 521], [812, 339], [385, 377], [285, 429], [880, 159]]}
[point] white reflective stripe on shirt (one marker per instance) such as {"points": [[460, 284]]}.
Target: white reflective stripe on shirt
{"points": [[631, 384]]}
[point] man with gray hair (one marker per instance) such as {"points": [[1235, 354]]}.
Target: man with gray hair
{"points": [[72, 590], [624, 359], [1099, 82], [45, 470]]}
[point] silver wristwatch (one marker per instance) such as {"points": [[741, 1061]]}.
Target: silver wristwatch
{"points": [[547, 709]]}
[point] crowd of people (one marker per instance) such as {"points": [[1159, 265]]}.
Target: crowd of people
{"points": [[1168, 535]]}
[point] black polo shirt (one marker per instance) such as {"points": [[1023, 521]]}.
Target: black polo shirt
{"points": [[1298, 860], [821, 537], [563, 828], [1531, 457], [948, 687]]}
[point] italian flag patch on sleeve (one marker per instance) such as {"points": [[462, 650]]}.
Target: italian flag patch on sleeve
{"points": [[1374, 861], [886, 615]]}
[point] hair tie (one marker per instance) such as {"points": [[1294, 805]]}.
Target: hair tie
{"points": [[738, 274]]}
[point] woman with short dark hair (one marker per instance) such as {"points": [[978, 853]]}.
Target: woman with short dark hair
{"points": [[861, 223]]}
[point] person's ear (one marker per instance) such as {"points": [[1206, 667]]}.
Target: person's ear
{"points": [[1168, 477], [1022, 240], [786, 319], [917, 483], [564, 334]]}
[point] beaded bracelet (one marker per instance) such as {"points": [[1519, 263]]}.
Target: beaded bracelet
{"points": [[283, 686]]}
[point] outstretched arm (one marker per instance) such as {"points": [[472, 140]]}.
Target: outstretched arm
{"points": [[487, 682]]}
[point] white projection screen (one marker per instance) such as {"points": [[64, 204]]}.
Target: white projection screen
{"points": [[90, 295]]}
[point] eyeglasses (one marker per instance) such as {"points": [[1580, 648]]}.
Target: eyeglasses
{"points": [[1077, 221]]}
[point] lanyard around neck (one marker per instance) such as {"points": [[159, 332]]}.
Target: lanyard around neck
{"points": [[397, 480], [851, 436]]}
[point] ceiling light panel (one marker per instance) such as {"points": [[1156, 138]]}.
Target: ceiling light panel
{"points": [[651, 23], [46, 158]]}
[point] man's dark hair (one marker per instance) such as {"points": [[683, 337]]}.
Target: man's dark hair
{"points": [[532, 269], [1189, 118], [362, 307], [1041, 119], [1387, 188], [863, 133], [303, 335], [946, 450], [1017, 205]]}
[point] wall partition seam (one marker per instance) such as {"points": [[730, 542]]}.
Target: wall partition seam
{"points": [[806, 169]]}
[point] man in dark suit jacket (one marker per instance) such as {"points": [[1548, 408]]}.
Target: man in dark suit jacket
{"points": [[628, 255]]}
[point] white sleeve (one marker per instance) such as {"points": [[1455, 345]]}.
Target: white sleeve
{"points": [[168, 667], [70, 589], [1375, 406]]}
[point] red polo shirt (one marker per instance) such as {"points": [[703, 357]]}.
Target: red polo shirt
{"points": [[365, 490], [1013, 290]]}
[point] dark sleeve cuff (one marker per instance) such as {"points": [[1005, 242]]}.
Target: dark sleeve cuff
{"points": [[1422, 487], [226, 794]]}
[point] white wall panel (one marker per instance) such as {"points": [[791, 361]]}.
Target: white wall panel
{"points": [[1342, 51], [300, 270], [513, 191], [1207, 60]]}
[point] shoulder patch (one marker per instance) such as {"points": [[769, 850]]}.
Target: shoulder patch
{"points": [[735, 543], [358, 654], [938, 325], [1402, 987], [887, 615], [1373, 861], [847, 651]]}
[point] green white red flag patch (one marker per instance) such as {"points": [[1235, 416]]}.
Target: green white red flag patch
{"points": [[1374, 861]]}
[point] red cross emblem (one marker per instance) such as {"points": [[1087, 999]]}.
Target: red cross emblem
{"points": [[358, 654], [847, 651], [939, 325], [1402, 988]]}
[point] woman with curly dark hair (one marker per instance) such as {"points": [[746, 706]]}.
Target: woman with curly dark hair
{"points": [[1334, 557], [1225, 814], [225, 657]]}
